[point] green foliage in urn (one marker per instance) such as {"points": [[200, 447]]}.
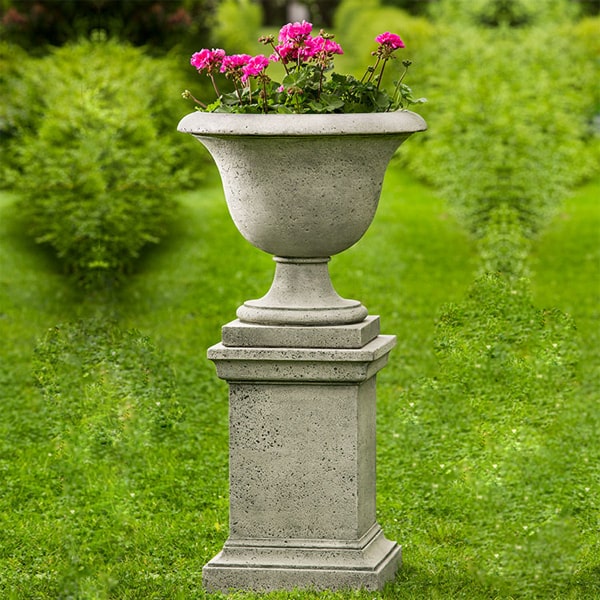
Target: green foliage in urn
{"points": [[309, 84]]}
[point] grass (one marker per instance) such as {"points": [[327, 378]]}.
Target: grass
{"points": [[107, 495]]}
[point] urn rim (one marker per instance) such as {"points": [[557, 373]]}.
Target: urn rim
{"points": [[223, 124]]}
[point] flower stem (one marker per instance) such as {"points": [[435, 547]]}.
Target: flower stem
{"points": [[321, 84], [214, 84], [237, 89], [280, 58], [399, 82], [188, 94], [264, 82], [371, 71], [381, 74]]}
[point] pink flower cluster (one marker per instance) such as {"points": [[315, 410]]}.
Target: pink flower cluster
{"points": [[254, 67], [242, 65], [296, 44], [295, 32], [391, 40], [207, 60]]}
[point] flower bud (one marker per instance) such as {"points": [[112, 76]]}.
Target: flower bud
{"points": [[266, 39]]}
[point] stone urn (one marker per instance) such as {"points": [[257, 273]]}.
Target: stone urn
{"points": [[302, 188], [301, 362]]}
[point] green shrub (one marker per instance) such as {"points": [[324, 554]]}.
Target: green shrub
{"points": [[485, 447], [357, 22], [503, 13], [496, 345], [237, 26], [96, 169], [508, 116], [110, 412], [11, 112]]}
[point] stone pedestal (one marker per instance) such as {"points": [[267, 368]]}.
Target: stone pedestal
{"points": [[302, 458]]}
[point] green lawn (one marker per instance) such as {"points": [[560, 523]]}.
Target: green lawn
{"points": [[114, 464]]}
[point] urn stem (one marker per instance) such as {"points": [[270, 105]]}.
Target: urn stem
{"points": [[302, 294]]}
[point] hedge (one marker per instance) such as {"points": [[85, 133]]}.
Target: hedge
{"points": [[98, 158]]}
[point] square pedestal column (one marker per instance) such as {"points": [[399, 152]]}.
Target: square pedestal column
{"points": [[302, 459]]}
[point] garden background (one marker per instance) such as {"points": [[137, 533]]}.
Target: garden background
{"points": [[119, 264]]}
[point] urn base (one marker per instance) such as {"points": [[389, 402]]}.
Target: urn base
{"points": [[302, 294]]}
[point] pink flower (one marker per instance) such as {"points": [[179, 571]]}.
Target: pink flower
{"points": [[255, 66], [325, 47], [391, 40], [284, 53], [234, 63], [207, 59], [317, 47], [295, 32]]}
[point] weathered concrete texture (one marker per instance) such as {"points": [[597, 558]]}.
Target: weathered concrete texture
{"points": [[302, 461], [327, 365], [368, 564], [238, 333], [302, 466], [303, 188], [302, 294], [302, 185]]}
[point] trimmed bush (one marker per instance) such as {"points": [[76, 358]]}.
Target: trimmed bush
{"points": [[496, 345], [11, 113], [357, 22], [110, 413], [485, 450], [97, 172], [237, 27], [509, 118], [504, 13]]}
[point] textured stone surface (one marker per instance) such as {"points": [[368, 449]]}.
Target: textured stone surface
{"points": [[328, 365], [304, 460], [305, 564], [302, 187], [238, 333], [302, 407], [302, 467], [302, 294], [299, 197]]}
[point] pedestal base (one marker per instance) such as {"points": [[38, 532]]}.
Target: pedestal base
{"points": [[302, 461], [265, 565]]}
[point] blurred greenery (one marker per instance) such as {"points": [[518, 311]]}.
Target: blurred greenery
{"points": [[484, 262], [95, 164], [486, 486], [156, 24]]}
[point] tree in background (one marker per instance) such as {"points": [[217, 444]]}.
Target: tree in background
{"points": [[34, 24]]}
